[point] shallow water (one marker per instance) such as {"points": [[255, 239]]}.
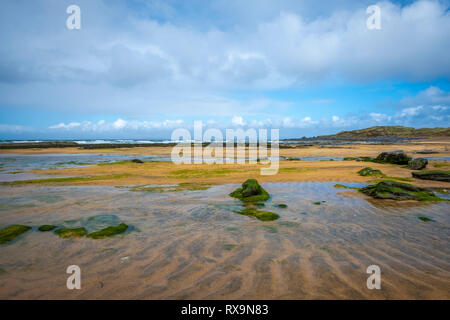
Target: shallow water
{"points": [[191, 245], [19, 163]]}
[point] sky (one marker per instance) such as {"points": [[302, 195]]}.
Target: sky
{"points": [[140, 69]]}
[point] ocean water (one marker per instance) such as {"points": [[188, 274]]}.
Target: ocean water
{"points": [[192, 245]]}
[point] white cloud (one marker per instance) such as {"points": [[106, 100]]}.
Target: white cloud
{"points": [[62, 125], [119, 124], [380, 117], [410, 112], [159, 66], [237, 121]]}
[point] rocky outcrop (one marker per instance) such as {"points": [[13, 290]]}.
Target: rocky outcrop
{"points": [[394, 157], [433, 175], [251, 191], [398, 191], [417, 164]]}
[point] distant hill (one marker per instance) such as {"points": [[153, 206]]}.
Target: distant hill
{"points": [[391, 131]]}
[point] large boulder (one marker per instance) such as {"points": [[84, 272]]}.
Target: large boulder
{"points": [[417, 164], [394, 157], [436, 175], [398, 191], [251, 191]]}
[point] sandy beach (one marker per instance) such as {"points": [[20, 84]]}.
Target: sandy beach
{"points": [[186, 240]]}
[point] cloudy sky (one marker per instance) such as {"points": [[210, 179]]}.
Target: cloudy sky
{"points": [[141, 68]]}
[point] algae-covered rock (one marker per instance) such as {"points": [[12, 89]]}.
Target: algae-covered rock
{"points": [[260, 215], [251, 191], [398, 191], [417, 164], [436, 175], [109, 231], [71, 233], [10, 233], [281, 206], [369, 172], [137, 161], [46, 227], [394, 157]]}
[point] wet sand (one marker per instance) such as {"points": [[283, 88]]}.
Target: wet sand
{"points": [[191, 245]]}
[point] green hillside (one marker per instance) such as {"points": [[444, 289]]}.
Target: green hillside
{"points": [[392, 131]]}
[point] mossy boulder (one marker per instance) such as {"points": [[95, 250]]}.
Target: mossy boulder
{"points": [[436, 175], [251, 191], [395, 157], [109, 231], [369, 172], [398, 191], [137, 161], [260, 215], [10, 233], [71, 233], [417, 164], [46, 227]]}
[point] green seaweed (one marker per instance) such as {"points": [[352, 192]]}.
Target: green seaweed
{"points": [[46, 227], [370, 172], [425, 218], [189, 173], [109, 231], [341, 186], [2, 271], [71, 233], [229, 246], [260, 215], [67, 180], [9, 233], [251, 191], [441, 165], [281, 206], [318, 203], [78, 163], [399, 191]]}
